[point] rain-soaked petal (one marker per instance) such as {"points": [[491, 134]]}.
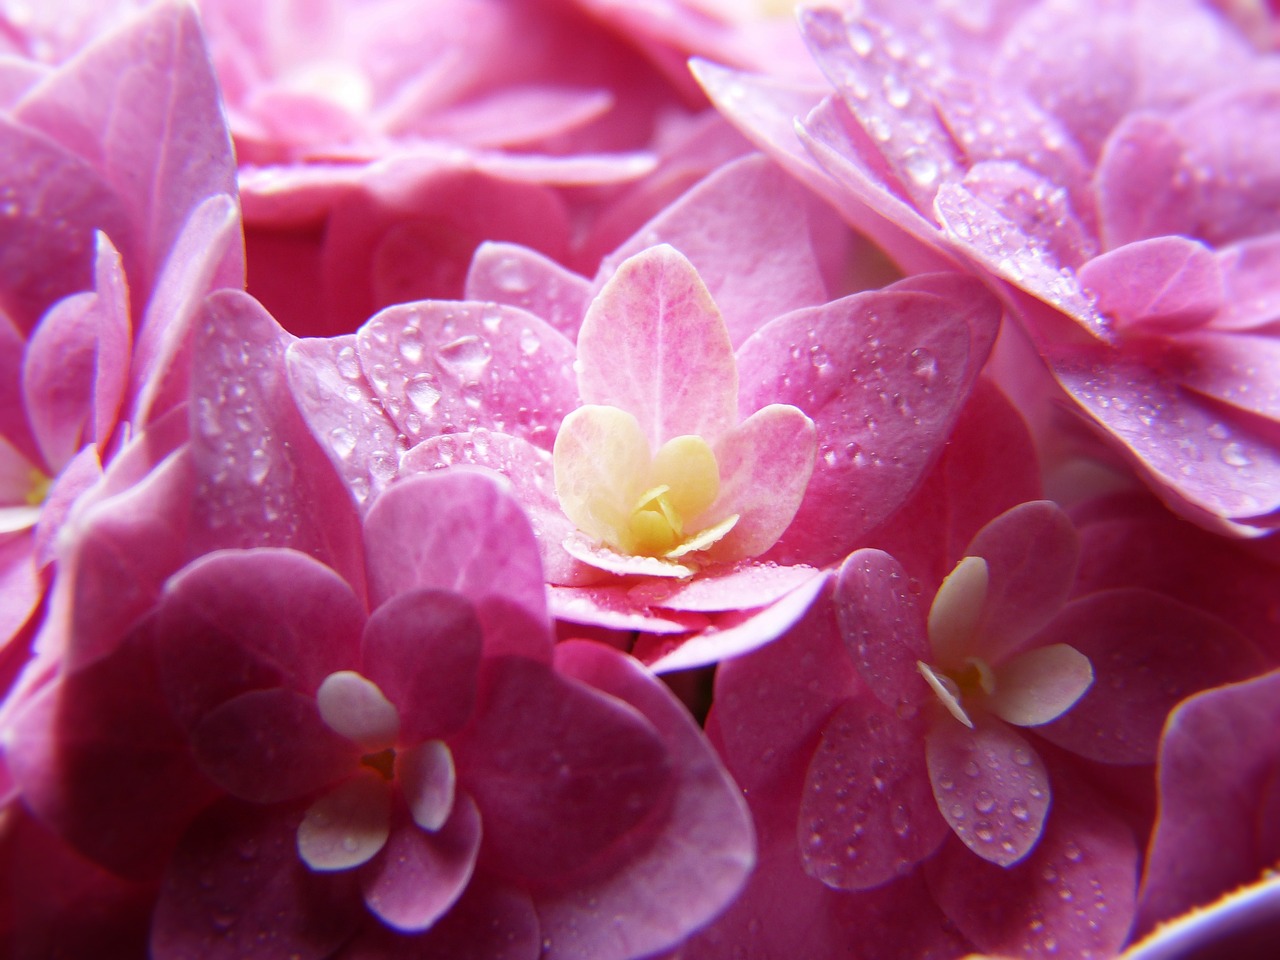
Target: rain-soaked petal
{"points": [[348, 825], [1040, 685]]}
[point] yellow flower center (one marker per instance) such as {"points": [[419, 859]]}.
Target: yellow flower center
{"points": [[38, 487]]}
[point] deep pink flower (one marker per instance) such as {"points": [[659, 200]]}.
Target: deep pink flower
{"points": [[683, 340], [1129, 207]]}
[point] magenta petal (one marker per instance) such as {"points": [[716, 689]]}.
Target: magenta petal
{"points": [[236, 890], [461, 530], [1032, 552], [524, 278], [422, 649], [867, 814], [420, 875], [1073, 896], [1214, 758], [271, 745], [883, 627], [991, 786], [444, 367], [237, 621], [1148, 652], [883, 376], [655, 345], [560, 772], [702, 849]]}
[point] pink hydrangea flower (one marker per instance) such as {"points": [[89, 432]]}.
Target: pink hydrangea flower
{"points": [[1127, 210], [732, 445], [114, 230]]}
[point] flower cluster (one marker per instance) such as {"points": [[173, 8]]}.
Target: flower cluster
{"points": [[582, 480]]}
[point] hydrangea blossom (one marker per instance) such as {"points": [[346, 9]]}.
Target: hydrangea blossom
{"points": [[1130, 216], [742, 417]]}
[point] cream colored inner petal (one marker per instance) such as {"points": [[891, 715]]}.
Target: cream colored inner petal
{"points": [[1040, 685], [948, 692], [956, 610], [347, 826], [356, 708]]}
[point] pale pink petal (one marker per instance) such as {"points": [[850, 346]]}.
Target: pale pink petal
{"points": [[82, 473], [1040, 685], [1073, 895], [990, 785], [236, 883], [461, 530], [524, 278], [883, 627], [602, 557], [739, 631], [743, 586], [1161, 285], [883, 376], [654, 344], [560, 773], [266, 746], [430, 782], [354, 707], [57, 377], [1142, 187], [422, 649], [529, 471], [747, 231], [1250, 271], [1212, 758], [348, 825], [613, 607], [15, 430], [702, 850], [1241, 369], [420, 875], [1148, 652], [441, 367], [765, 465], [20, 588], [1032, 552], [867, 814], [343, 414], [115, 341]]}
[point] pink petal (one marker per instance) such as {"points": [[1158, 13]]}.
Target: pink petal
{"points": [[747, 231], [1211, 760], [1242, 923], [736, 632], [867, 814], [990, 785], [910, 357], [883, 628], [82, 473], [114, 341], [520, 277], [343, 414], [1142, 187], [1161, 285], [419, 875], [614, 608], [236, 888], [1148, 652], [266, 746], [654, 344], [429, 781], [20, 587], [422, 649], [1072, 896], [264, 482], [765, 465], [743, 586], [354, 707], [560, 773], [347, 826], [1240, 369], [442, 367], [1031, 552], [461, 530], [237, 621], [57, 377], [530, 473], [1040, 685], [702, 850], [143, 102]]}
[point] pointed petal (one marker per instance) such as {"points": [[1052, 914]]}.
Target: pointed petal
{"points": [[655, 345], [1040, 685], [115, 341], [867, 814], [765, 465], [421, 875], [883, 627], [444, 367], [1161, 285], [991, 786], [348, 825]]}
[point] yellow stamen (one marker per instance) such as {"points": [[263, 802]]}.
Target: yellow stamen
{"points": [[38, 490]]}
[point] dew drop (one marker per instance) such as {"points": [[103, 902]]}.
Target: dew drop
{"points": [[343, 441], [921, 168], [509, 274], [1233, 455], [465, 357], [984, 802], [1071, 852], [971, 769], [924, 364], [411, 349], [983, 831], [1019, 811], [529, 342], [259, 466], [423, 393]]}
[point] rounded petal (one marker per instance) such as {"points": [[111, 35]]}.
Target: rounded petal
{"points": [[429, 781], [956, 610], [1040, 685], [354, 707], [348, 825], [991, 786], [602, 465]]}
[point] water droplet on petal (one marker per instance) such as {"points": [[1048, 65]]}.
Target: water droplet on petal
{"points": [[423, 393], [465, 357]]}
